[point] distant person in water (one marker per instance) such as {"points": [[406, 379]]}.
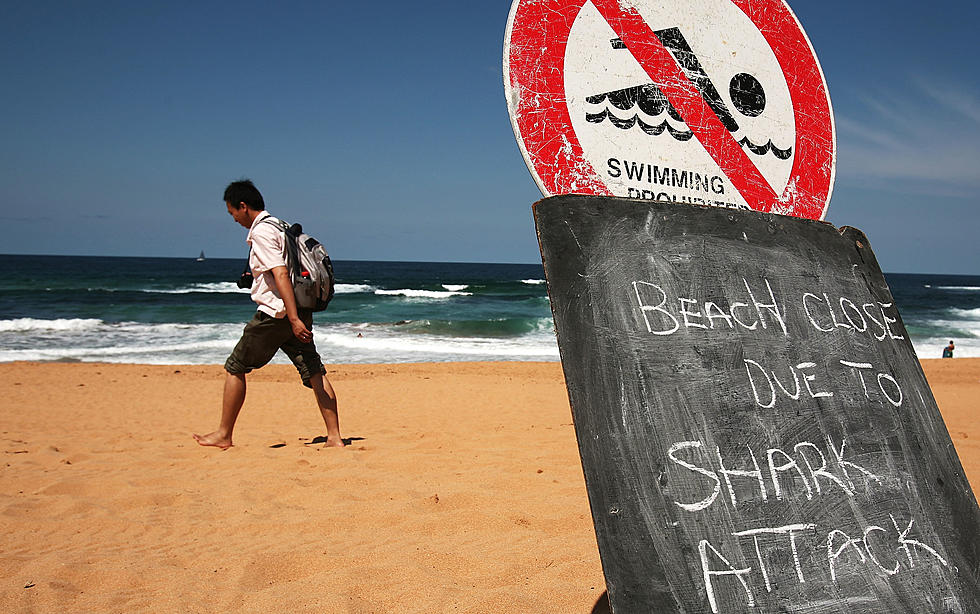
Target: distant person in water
{"points": [[277, 325], [948, 350]]}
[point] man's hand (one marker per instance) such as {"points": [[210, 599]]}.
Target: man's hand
{"points": [[299, 329], [285, 287]]}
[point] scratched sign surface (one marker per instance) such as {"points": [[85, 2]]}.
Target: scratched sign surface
{"points": [[713, 102], [756, 432]]}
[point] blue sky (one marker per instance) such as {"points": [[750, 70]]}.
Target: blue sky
{"points": [[383, 127]]}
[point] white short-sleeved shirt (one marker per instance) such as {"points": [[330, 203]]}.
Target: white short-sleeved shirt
{"points": [[268, 252]]}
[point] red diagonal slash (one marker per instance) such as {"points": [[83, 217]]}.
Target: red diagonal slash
{"points": [[661, 66]]}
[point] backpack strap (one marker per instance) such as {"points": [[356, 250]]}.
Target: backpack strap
{"points": [[290, 232], [281, 225]]}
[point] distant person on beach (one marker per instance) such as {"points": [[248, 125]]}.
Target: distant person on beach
{"points": [[948, 350], [277, 325]]}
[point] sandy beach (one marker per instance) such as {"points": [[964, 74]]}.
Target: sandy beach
{"points": [[461, 491]]}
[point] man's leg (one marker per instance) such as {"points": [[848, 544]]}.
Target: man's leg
{"points": [[326, 400], [231, 405], [260, 341]]}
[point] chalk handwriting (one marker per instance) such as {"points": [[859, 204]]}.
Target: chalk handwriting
{"points": [[771, 382], [800, 471], [839, 543], [763, 475], [827, 315], [665, 317], [760, 309], [768, 385], [892, 392], [876, 547]]}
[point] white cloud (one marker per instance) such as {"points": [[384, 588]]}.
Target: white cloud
{"points": [[924, 138], [965, 103]]}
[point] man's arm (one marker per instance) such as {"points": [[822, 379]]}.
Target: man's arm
{"points": [[285, 287]]}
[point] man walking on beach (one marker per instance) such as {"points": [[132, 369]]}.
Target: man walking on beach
{"points": [[277, 325]]}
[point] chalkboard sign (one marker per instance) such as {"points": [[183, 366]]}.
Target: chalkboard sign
{"points": [[756, 432]]}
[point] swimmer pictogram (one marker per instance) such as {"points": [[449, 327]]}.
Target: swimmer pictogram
{"points": [[745, 91]]}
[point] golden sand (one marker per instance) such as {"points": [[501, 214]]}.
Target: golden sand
{"points": [[462, 490]]}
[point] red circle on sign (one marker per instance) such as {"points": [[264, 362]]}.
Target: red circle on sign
{"points": [[534, 58]]}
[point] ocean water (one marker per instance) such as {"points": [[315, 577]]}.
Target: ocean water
{"points": [[179, 311]]}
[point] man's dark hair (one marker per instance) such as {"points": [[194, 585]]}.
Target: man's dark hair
{"points": [[244, 191]]}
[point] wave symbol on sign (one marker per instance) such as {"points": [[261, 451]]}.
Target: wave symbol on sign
{"points": [[746, 93]]}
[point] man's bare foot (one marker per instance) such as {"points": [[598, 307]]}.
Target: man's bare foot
{"points": [[213, 439], [334, 443]]}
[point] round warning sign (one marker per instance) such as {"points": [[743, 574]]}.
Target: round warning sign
{"points": [[713, 102]]}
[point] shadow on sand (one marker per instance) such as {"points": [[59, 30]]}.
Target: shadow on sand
{"points": [[323, 439], [318, 440], [602, 606]]}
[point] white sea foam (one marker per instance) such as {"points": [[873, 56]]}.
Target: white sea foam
{"points": [[383, 344], [130, 342], [215, 287], [353, 289], [426, 294], [962, 326], [229, 286], [31, 325], [232, 287], [140, 343], [91, 340], [966, 314], [966, 288], [933, 348], [455, 287], [533, 282]]}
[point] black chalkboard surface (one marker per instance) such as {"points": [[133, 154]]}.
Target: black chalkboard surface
{"points": [[756, 432]]}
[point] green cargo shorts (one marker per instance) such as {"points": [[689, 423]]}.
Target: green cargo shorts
{"points": [[263, 336]]}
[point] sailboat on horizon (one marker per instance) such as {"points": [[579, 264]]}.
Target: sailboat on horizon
{"points": [[201, 257]]}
